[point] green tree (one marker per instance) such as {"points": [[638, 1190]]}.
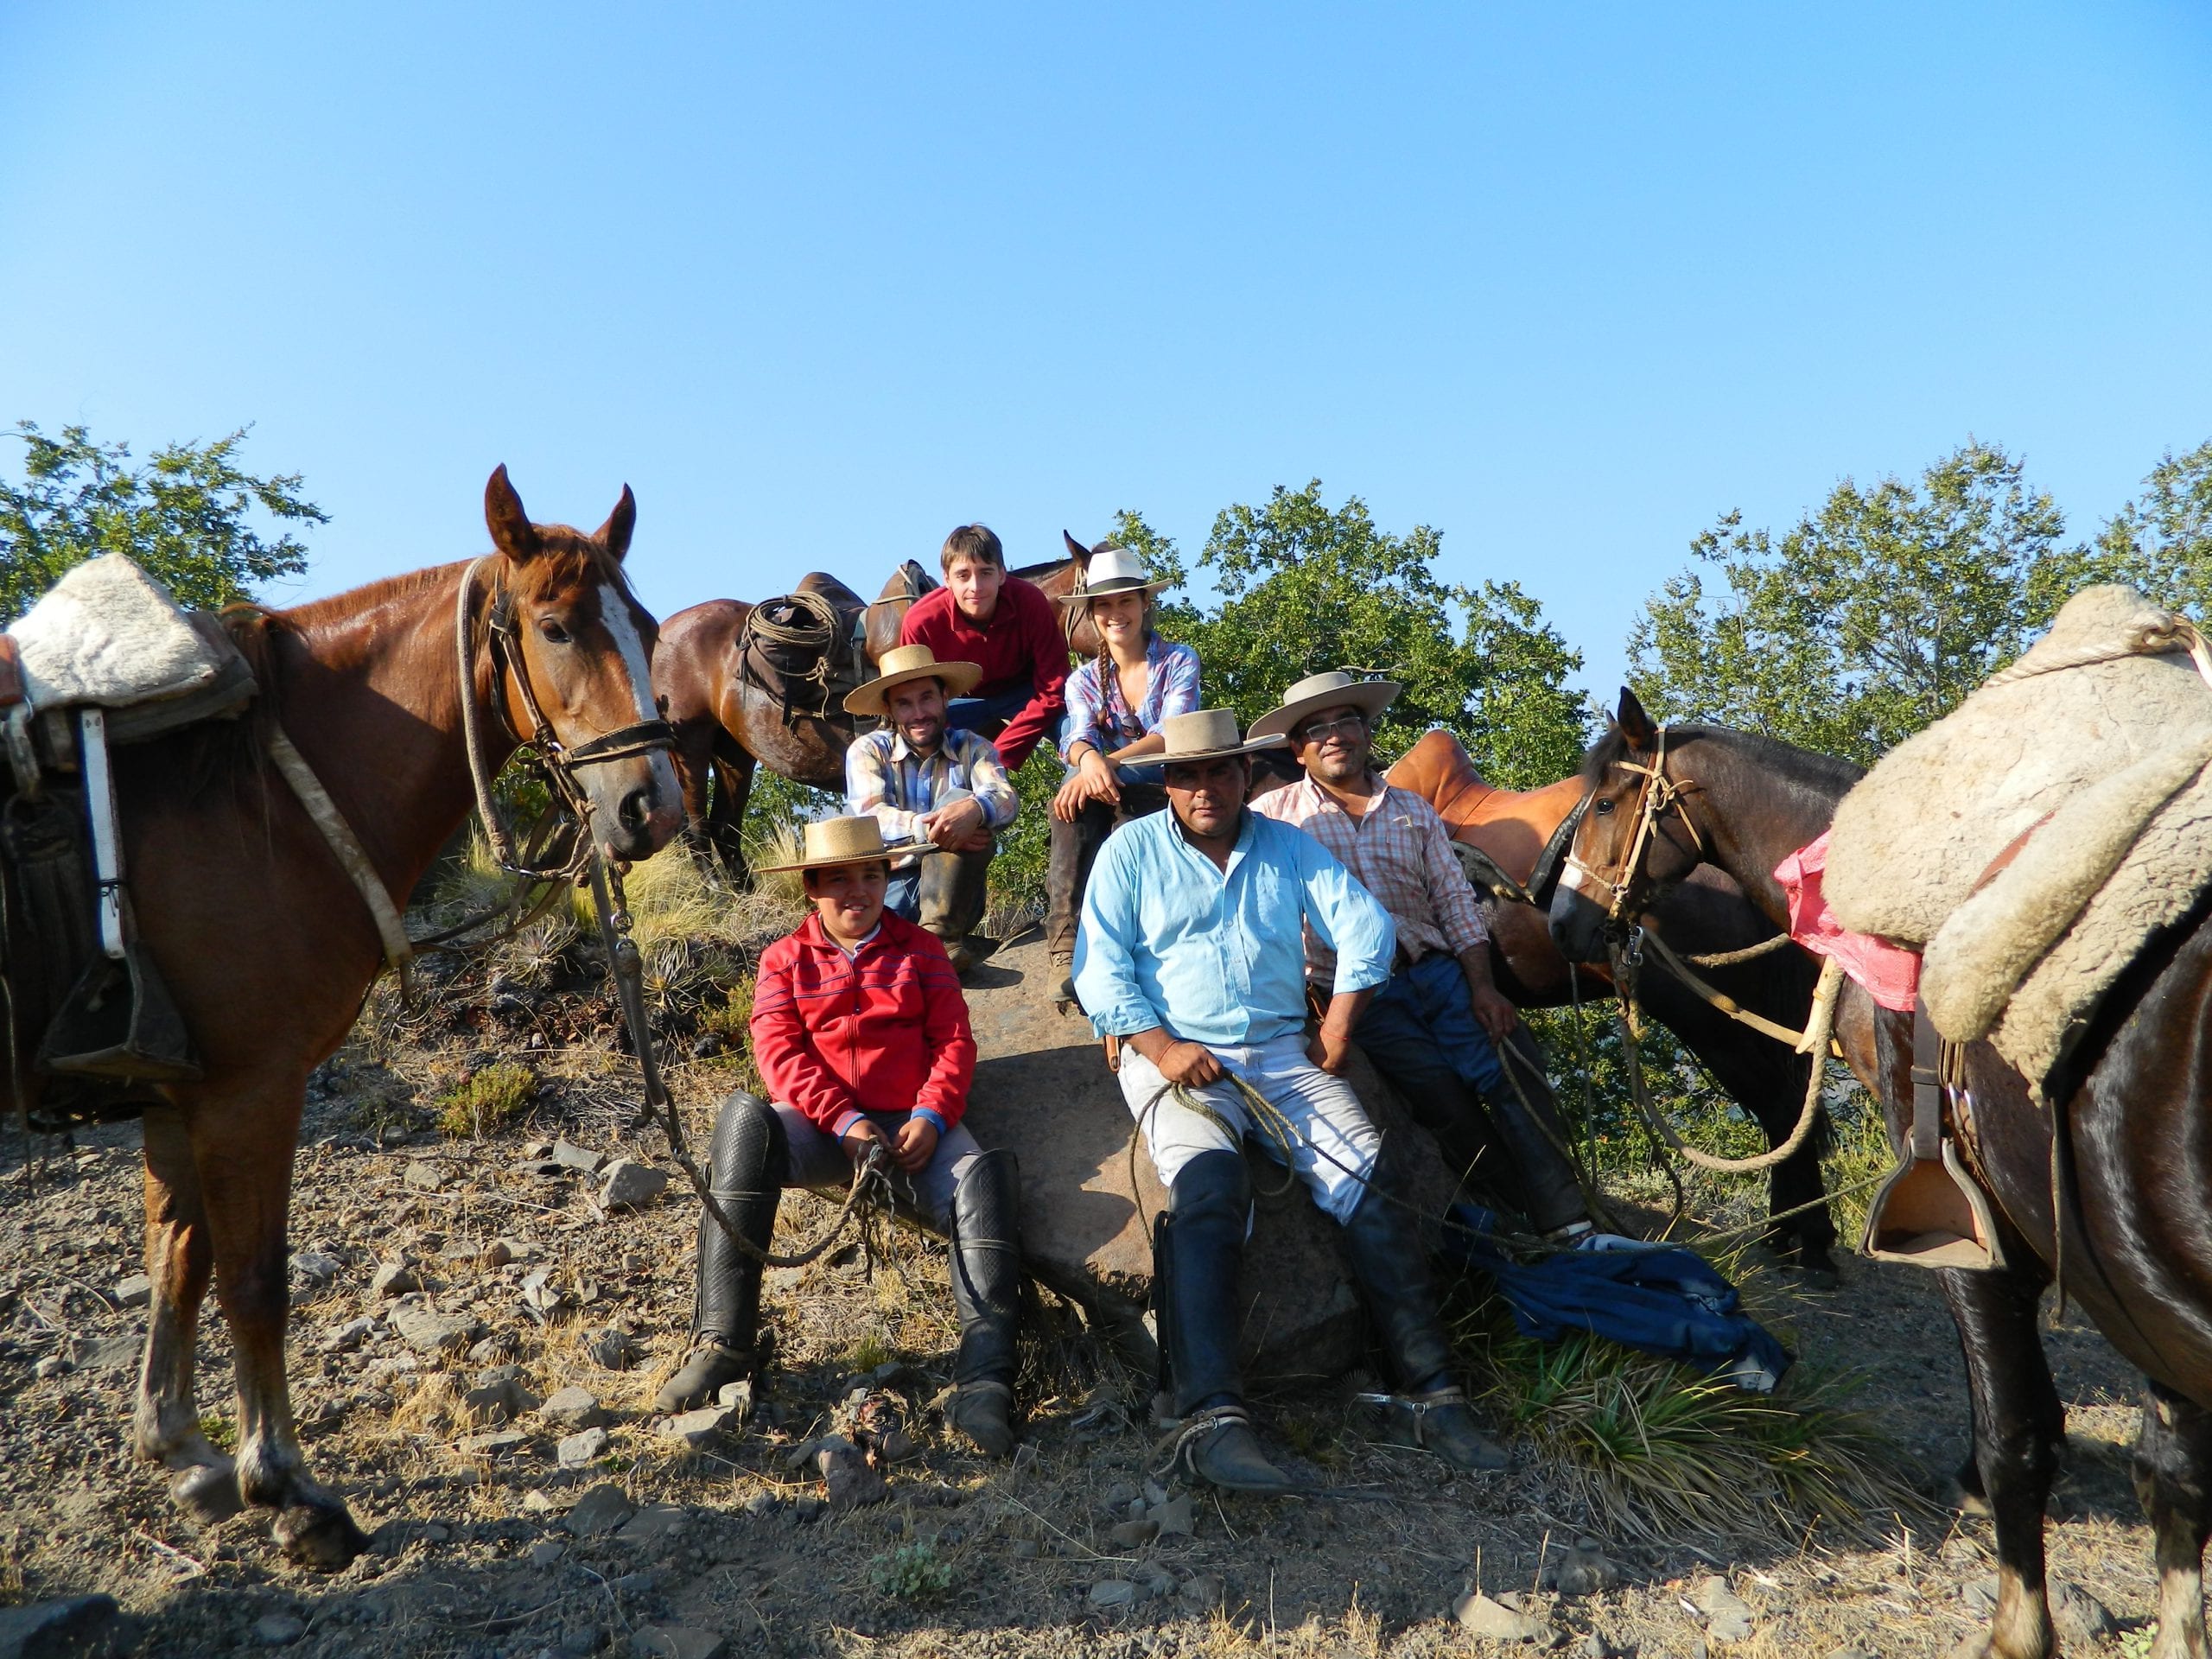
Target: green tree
{"points": [[187, 515], [1305, 586], [1866, 620], [2161, 541]]}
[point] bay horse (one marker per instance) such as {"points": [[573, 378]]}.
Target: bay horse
{"points": [[725, 723], [2128, 1110], [1707, 913], [268, 948]]}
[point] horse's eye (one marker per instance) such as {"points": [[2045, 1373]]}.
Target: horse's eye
{"points": [[1604, 807], [552, 633]]}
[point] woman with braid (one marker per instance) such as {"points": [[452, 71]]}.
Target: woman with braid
{"points": [[1115, 703]]}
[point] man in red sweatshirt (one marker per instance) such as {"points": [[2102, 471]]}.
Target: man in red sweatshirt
{"points": [[861, 1036], [1008, 629]]}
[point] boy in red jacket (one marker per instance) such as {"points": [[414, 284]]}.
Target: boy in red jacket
{"points": [[1007, 628], [861, 1037]]}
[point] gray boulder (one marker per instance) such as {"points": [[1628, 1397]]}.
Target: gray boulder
{"points": [[1087, 1201]]}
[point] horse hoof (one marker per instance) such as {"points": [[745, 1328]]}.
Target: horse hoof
{"points": [[1966, 1500], [207, 1492], [315, 1536]]}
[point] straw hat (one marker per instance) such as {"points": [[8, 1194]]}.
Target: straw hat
{"points": [[832, 841], [1109, 570], [1204, 734], [1334, 690], [910, 662]]}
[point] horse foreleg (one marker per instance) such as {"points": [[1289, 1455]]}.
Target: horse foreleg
{"points": [[244, 1152], [2173, 1470], [2015, 1447], [165, 1425]]}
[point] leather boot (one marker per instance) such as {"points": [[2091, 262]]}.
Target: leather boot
{"points": [[1550, 1196], [953, 889], [1200, 1249], [745, 1175], [987, 1295], [1391, 1266]]}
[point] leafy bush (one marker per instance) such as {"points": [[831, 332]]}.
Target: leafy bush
{"points": [[491, 1098], [912, 1573]]}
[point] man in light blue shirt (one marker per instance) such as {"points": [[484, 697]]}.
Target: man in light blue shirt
{"points": [[1192, 954]]}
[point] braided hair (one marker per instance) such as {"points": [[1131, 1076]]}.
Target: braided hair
{"points": [[1110, 701]]}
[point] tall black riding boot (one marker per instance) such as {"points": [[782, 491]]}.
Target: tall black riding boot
{"points": [[1535, 1136], [954, 886], [745, 1175], [1201, 1246], [1391, 1265], [987, 1295]]}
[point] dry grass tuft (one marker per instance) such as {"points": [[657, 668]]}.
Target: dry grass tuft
{"points": [[1657, 1455]]}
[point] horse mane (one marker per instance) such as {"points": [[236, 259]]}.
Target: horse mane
{"points": [[1804, 768]]}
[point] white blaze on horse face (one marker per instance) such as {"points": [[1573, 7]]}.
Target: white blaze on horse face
{"points": [[614, 609], [1576, 877]]}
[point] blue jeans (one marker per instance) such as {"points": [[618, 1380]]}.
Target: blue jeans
{"points": [[1421, 1025], [987, 715], [903, 897]]}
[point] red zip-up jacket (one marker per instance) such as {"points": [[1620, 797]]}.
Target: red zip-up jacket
{"points": [[1022, 645], [885, 1030]]}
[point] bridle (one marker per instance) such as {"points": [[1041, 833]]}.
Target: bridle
{"points": [[1659, 796], [557, 763]]}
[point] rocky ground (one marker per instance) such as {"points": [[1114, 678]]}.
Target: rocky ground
{"points": [[477, 1333]]}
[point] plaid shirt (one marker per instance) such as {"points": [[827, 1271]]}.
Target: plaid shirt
{"points": [[1401, 852], [884, 776], [1171, 688]]}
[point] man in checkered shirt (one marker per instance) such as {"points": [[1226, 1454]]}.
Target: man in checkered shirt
{"points": [[1439, 1029]]}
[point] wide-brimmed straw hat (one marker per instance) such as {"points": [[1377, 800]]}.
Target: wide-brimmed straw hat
{"points": [[1204, 734], [910, 662], [828, 843], [1335, 689], [1109, 570]]}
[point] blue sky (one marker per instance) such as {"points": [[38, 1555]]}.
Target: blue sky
{"points": [[820, 282]]}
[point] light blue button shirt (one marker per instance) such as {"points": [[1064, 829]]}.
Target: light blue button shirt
{"points": [[1216, 956]]}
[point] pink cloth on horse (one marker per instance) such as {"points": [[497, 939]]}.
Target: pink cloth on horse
{"points": [[1888, 973]]}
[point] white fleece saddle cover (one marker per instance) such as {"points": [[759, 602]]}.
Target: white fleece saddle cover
{"points": [[2107, 762], [108, 633]]}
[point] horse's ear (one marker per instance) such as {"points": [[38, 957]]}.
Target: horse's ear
{"points": [[1076, 551], [511, 531], [615, 532], [1635, 722]]}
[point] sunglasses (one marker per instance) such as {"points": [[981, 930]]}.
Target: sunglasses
{"points": [[1322, 730]]}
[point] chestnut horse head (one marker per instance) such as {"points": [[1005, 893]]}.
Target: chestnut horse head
{"points": [[575, 670]]}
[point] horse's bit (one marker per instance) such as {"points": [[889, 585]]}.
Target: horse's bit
{"points": [[1659, 796]]}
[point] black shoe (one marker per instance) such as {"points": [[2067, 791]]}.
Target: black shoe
{"points": [[712, 1368], [1441, 1421], [983, 1412], [1218, 1446]]}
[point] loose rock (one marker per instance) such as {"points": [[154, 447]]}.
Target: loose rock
{"points": [[134, 1292], [313, 1269], [629, 1183], [847, 1475], [422, 1328], [547, 1552], [279, 1629], [570, 1156], [655, 1523], [1585, 1570], [695, 1430], [610, 1349], [395, 1279], [424, 1175], [602, 1509], [581, 1451], [91, 1626], [2082, 1621], [572, 1408], [678, 1641], [1479, 1614], [1728, 1617], [1114, 1593]]}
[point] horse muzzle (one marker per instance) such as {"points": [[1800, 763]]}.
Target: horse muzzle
{"points": [[637, 806], [1578, 925]]}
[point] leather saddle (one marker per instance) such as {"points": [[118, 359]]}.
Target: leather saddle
{"points": [[808, 648], [107, 658], [1508, 841]]}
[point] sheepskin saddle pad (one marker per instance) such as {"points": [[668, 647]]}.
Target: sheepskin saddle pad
{"points": [[2033, 840], [108, 633]]}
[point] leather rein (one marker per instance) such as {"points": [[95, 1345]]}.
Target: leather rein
{"points": [[1659, 796]]}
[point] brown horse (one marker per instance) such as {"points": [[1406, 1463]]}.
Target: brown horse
{"points": [[2126, 1113], [268, 948], [727, 723], [1707, 913]]}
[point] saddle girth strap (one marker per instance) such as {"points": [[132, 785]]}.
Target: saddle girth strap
{"points": [[352, 856]]}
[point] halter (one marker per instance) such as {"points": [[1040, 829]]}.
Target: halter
{"points": [[557, 762], [1660, 795]]}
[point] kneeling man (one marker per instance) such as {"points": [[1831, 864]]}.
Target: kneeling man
{"points": [[861, 1037], [1190, 953]]}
